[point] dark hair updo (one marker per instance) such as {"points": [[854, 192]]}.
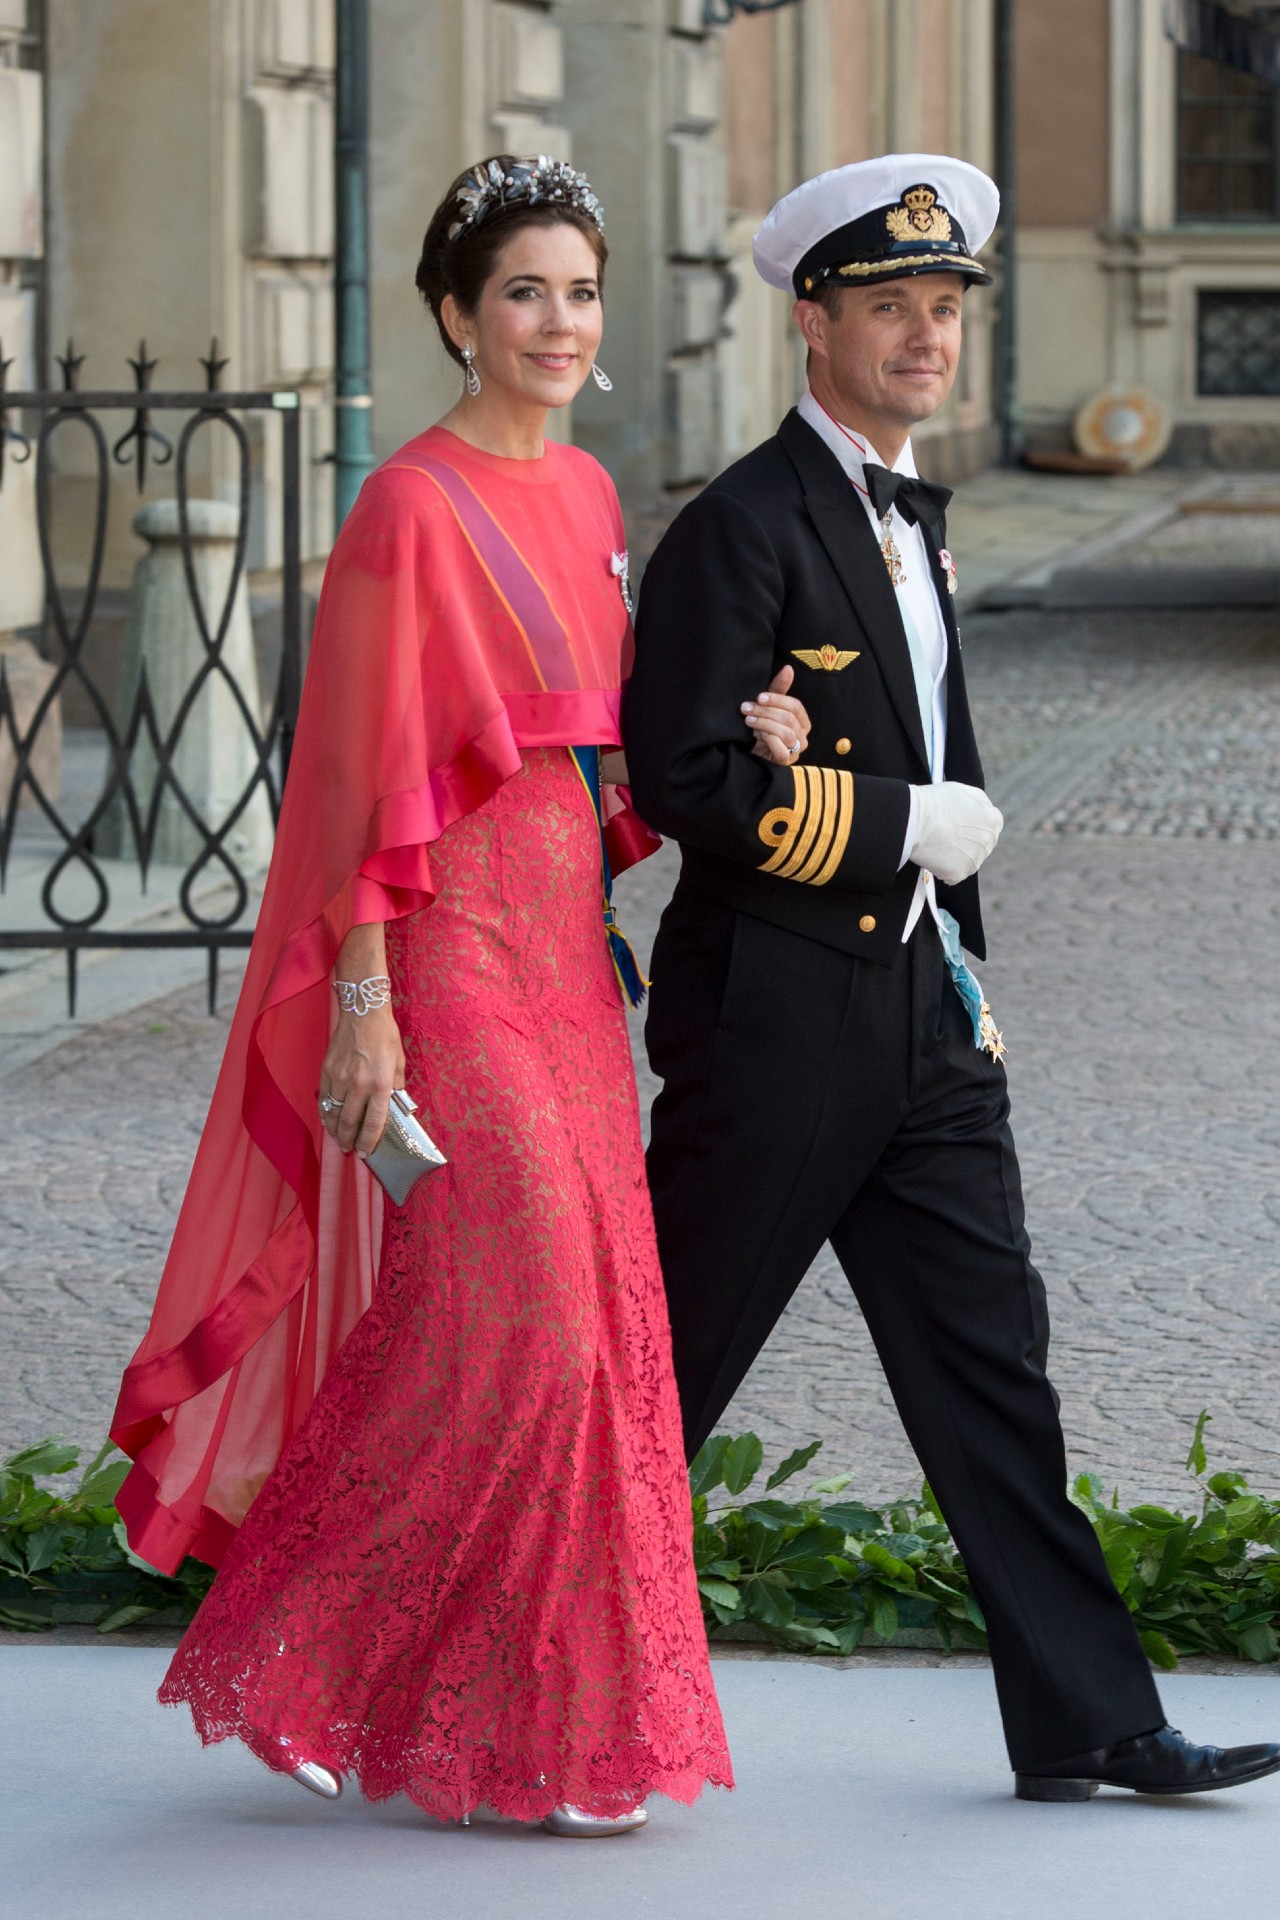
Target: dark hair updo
{"points": [[463, 265]]}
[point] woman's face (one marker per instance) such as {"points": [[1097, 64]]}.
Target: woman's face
{"points": [[538, 322]]}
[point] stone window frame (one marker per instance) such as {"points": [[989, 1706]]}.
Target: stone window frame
{"points": [[1236, 90]]}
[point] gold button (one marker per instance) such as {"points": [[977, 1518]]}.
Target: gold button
{"points": [[868, 923], [844, 746]]}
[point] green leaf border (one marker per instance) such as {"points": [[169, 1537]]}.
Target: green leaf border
{"points": [[818, 1575], [815, 1574], [64, 1555]]}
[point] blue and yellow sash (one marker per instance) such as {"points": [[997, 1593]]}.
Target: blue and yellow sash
{"points": [[625, 964]]}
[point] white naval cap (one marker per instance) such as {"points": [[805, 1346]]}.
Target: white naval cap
{"points": [[905, 213]]}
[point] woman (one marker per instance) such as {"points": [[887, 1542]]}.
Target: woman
{"points": [[450, 1508]]}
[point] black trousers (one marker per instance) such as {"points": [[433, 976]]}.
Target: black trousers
{"points": [[809, 1096]]}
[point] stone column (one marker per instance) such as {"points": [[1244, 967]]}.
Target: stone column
{"points": [[214, 758], [644, 102], [21, 245]]}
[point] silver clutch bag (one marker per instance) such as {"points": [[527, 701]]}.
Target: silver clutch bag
{"points": [[405, 1152]]}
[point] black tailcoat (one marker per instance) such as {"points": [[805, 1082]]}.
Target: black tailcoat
{"points": [[820, 1078], [777, 559]]}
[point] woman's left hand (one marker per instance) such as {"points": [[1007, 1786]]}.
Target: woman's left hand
{"points": [[363, 1066], [779, 721]]}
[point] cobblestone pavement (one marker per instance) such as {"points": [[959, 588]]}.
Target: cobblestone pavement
{"points": [[1134, 919], [1217, 538]]}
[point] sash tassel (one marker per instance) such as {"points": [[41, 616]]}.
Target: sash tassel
{"points": [[625, 965]]}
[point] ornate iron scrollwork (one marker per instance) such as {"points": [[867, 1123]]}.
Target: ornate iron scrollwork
{"points": [[9, 436], [70, 364], [213, 366], [131, 728], [142, 434]]}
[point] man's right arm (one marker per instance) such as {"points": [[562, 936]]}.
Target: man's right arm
{"points": [[711, 603]]}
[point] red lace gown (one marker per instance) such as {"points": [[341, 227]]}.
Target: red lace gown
{"points": [[469, 1579]]}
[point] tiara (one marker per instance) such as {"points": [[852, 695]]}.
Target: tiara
{"points": [[529, 182]]}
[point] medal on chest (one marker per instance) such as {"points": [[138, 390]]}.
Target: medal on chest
{"points": [[948, 566], [620, 568], [890, 551], [990, 1038]]}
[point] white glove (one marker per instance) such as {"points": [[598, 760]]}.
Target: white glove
{"points": [[956, 828]]}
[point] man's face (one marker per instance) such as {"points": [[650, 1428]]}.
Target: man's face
{"points": [[891, 350]]}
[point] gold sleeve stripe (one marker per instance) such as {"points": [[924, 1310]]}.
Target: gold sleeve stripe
{"points": [[843, 828], [780, 826], [790, 870], [822, 842], [808, 838]]}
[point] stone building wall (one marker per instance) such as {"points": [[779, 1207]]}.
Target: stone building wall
{"points": [[1111, 277], [817, 86], [689, 133], [451, 84], [190, 181], [188, 160]]}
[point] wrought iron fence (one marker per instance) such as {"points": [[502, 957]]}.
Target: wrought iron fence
{"points": [[211, 890]]}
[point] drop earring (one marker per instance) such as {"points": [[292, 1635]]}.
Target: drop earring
{"points": [[601, 378], [471, 377]]}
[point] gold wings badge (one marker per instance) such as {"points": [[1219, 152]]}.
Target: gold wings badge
{"points": [[825, 659]]}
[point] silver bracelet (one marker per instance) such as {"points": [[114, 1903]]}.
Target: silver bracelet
{"points": [[362, 996]]}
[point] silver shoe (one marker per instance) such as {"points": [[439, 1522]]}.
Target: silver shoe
{"points": [[310, 1774], [571, 1823], [318, 1779]]}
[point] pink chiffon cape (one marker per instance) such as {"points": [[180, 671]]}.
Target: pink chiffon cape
{"points": [[471, 609]]}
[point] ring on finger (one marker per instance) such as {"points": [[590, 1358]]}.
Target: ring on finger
{"points": [[329, 1105]]}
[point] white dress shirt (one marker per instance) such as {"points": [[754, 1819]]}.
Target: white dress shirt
{"points": [[917, 602]]}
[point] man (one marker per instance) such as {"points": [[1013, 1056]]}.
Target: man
{"points": [[831, 1070]]}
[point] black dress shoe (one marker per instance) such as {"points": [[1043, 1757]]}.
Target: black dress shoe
{"points": [[1160, 1762]]}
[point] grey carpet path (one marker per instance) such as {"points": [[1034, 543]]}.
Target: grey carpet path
{"points": [[860, 1792]]}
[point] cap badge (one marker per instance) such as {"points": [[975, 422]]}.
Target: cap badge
{"points": [[919, 217]]}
